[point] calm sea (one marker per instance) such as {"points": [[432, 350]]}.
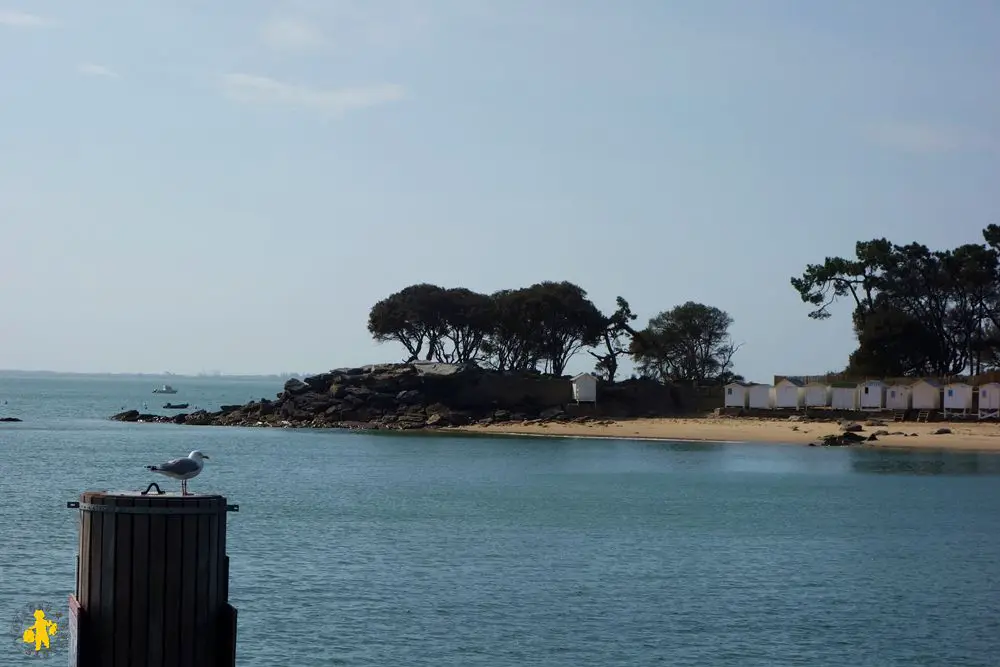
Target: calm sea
{"points": [[358, 549]]}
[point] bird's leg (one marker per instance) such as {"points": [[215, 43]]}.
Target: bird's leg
{"points": [[184, 487]]}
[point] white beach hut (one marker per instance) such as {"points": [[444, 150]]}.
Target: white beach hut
{"points": [[584, 388], [844, 396], [736, 395], [898, 396], [871, 395], [926, 395], [817, 395], [761, 396], [957, 398], [989, 400], [789, 393]]}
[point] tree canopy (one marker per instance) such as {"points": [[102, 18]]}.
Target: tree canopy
{"points": [[917, 311], [541, 327], [545, 324], [690, 342]]}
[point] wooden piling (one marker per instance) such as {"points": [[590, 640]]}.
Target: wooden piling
{"points": [[152, 584]]}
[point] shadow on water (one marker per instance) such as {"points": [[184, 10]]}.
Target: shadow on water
{"points": [[924, 463]]}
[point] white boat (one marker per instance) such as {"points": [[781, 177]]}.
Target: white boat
{"points": [[165, 389]]}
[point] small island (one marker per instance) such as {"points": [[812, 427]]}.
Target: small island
{"points": [[495, 358], [422, 394], [496, 362]]}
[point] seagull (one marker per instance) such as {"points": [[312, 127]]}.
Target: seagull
{"points": [[183, 468]]}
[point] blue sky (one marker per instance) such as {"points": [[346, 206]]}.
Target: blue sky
{"points": [[193, 186]]}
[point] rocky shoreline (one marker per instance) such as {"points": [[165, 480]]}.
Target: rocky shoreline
{"points": [[388, 397], [851, 434]]}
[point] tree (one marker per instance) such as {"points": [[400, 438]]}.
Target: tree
{"points": [[450, 325], [410, 317], [466, 318], [564, 321], [512, 342], [690, 342], [891, 343], [546, 324], [616, 327], [916, 311]]}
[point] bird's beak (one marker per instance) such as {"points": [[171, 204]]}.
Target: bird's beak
{"points": [[203, 456]]}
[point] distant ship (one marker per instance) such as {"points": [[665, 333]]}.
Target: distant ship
{"points": [[165, 389], [175, 406]]}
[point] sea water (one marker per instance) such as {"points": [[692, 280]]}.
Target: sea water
{"points": [[367, 549]]}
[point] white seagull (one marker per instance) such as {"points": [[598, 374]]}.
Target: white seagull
{"points": [[182, 469]]}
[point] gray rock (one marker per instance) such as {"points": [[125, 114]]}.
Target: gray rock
{"points": [[296, 386], [437, 420], [408, 396], [551, 413]]}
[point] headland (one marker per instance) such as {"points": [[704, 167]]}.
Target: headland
{"points": [[419, 395], [469, 399]]}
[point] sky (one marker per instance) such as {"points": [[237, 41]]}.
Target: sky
{"points": [[189, 186]]}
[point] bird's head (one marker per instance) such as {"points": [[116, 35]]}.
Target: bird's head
{"points": [[197, 455]]}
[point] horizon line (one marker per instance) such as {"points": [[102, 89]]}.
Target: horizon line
{"points": [[38, 371]]}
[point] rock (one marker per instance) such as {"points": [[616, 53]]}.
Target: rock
{"points": [[876, 422], [385, 402], [881, 432], [408, 396], [127, 416], [296, 386], [459, 419], [405, 396], [9, 420], [437, 420], [318, 382], [941, 431], [850, 427], [795, 418], [199, 418], [841, 440], [551, 413]]}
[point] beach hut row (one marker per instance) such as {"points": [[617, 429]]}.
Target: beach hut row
{"points": [[955, 398]]}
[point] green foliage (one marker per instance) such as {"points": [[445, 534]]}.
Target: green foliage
{"points": [[916, 311], [616, 337], [690, 342], [545, 324]]}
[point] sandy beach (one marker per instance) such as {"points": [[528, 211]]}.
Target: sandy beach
{"points": [[964, 436]]}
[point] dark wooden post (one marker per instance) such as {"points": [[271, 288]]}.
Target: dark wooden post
{"points": [[152, 587]]}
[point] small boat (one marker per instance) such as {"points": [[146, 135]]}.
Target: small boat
{"points": [[175, 406], [165, 389]]}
